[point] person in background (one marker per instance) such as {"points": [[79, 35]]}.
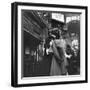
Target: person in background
{"points": [[74, 60]]}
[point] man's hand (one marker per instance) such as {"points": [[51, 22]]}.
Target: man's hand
{"points": [[68, 56]]}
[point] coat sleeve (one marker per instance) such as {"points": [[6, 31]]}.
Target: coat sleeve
{"points": [[55, 51]]}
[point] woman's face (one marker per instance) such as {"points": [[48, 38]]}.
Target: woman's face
{"points": [[75, 45]]}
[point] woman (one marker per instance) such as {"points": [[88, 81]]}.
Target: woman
{"points": [[59, 62], [74, 60]]}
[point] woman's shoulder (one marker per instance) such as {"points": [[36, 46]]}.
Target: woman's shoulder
{"points": [[60, 42]]}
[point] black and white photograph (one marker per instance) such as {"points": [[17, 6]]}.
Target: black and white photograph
{"points": [[49, 44]]}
